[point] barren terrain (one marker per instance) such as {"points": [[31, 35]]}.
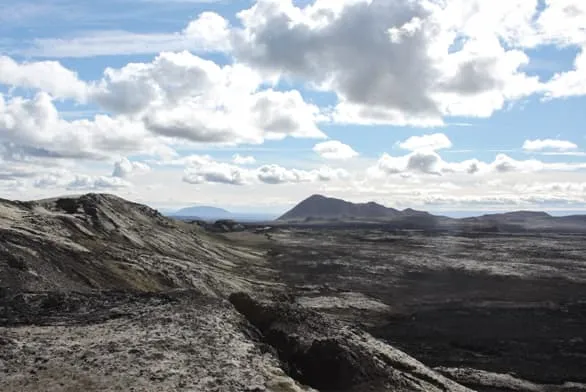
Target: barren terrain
{"points": [[501, 303], [97, 293]]}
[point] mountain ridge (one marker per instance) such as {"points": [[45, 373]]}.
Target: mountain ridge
{"points": [[319, 209]]}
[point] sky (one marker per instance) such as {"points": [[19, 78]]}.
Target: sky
{"points": [[441, 105]]}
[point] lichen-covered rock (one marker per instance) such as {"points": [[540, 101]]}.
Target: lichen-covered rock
{"points": [[178, 341]]}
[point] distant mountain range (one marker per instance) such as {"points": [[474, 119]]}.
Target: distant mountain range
{"points": [[214, 213], [321, 210]]}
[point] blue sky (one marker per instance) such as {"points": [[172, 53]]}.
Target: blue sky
{"points": [[254, 105]]}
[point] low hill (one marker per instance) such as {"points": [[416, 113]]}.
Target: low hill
{"points": [[208, 213], [203, 212]]}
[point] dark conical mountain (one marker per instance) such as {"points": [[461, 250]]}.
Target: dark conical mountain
{"points": [[318, 206]]}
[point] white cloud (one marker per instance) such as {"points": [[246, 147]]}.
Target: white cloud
{"points": [[91, 183], [413, 63], [125, 168], [210, 31], [569, 83], [217, 173], [400, 63], [48, 76], [561, 22], [334, 149], [203, 169], [422, 162], [433, 142], [275, 174], [183, 96], [392, 62], [426, 162], [505, 164], [549, 144], [178, 96], [327, 174], [243, 160], [67, 180], [35, 127]]}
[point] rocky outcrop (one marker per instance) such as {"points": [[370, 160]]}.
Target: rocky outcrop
{"points": [[329, 356], [102, 242], [122, 341]]}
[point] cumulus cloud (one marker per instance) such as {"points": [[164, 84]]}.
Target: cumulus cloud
{"points": [[334, 149], [125, 168], [65, 179], [34, 126], [183, 96], [275, 174], [422, 162], [402, 63], [393, 62], [178, 96], [549, 144], [561, 22], [570, 83], [48, 76], [326, 173], [96, 183], [431, 163], [410, 63], [433, 142], [505, 164], [243, 160], [203, 169]]}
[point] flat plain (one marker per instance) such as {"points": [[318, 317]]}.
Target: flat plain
{"points": [[504, 303]]}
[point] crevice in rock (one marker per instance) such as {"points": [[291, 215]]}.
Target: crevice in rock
{"points": [[319, 364], [323, 354]]}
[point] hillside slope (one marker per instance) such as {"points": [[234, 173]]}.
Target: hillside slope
{"points": [[101, 242]]}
